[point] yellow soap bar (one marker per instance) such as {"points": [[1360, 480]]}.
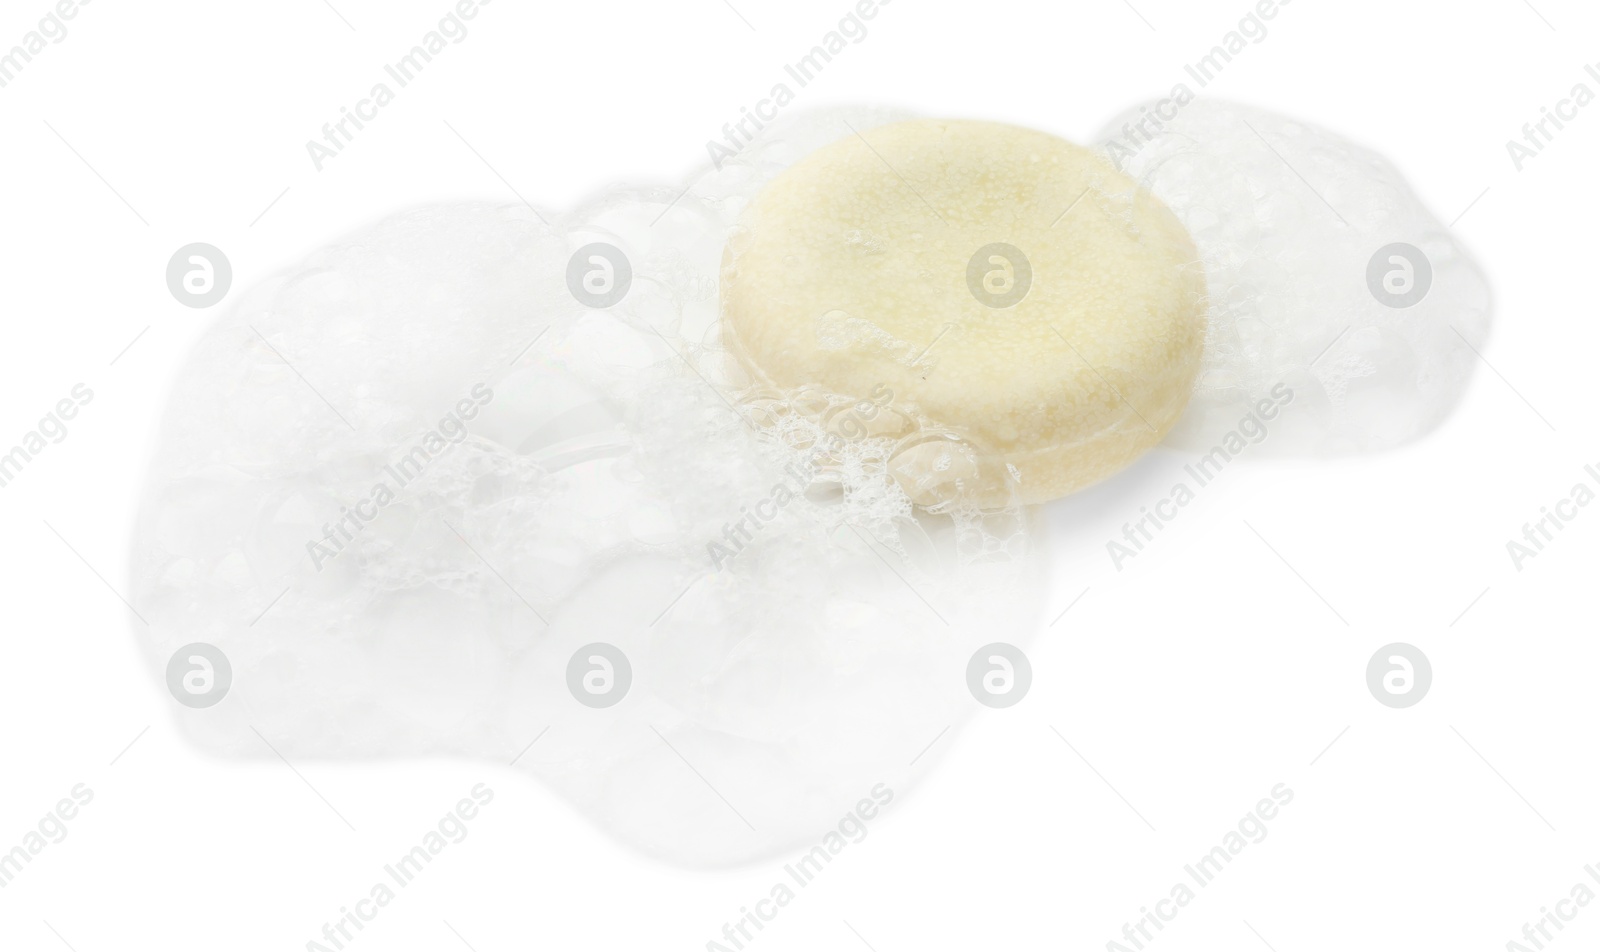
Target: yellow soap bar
{"points": [[1000, 281]]}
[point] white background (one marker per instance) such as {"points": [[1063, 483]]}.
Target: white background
{"points": [[1193, 681]]}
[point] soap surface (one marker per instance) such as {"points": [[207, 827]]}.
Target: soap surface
{"points": [[1008, 284]]}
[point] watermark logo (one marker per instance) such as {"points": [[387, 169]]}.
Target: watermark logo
{"points": [[1250, 431], [736, 135], [599, 275], [51, 829], [1251, 829], [999, 675], [852, 828], [1539, 134], [1252, 30], [339, 133], [199, 675], [1552, 519], [199, 275], [1399, 675], [1399, 275], [452, 430], [51, 29], [999, 275], [52, 428], [599, 675], [1536, 935], [859, 421], [338, 934]]}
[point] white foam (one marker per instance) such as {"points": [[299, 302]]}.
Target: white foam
{"points": [[1287, 218], [581, 474], [772, 687]]}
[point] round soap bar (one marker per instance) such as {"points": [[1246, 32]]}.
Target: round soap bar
{"points": [[1006, 283]]}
